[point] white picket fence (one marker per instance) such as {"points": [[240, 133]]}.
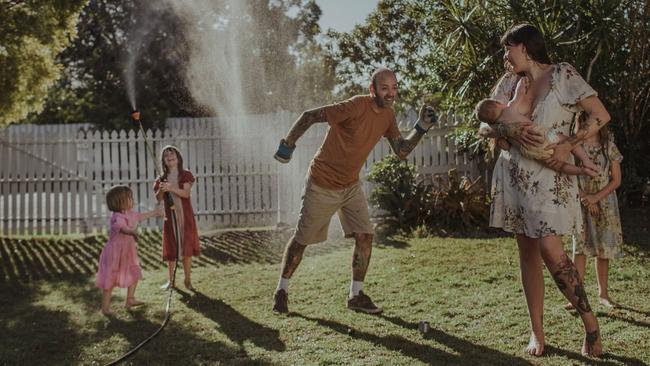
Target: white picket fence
{"points": [[53, 179]]}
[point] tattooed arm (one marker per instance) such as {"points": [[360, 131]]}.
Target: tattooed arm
{"points": [[401, 146], [597, 118], [302, 124]]}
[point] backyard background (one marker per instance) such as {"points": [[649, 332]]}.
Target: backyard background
{"points": [[224, 80]]}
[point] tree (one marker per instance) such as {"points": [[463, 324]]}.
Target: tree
{"points": [[167, 40], [32, 34], [451, 49]]}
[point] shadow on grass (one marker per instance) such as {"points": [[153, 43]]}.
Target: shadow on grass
{"points": [[232, 323], [391, 242], [32, 334], [469, 353], [606, 359], [26, 260], [633, 310], [464, 347], [175, 345], [622, 317]]}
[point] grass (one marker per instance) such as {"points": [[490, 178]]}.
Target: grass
{"points": [[467, 289]]}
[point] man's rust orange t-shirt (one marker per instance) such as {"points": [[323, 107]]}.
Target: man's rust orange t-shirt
{"points": [[355, 128]]}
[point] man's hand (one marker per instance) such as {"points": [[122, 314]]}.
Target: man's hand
{"points": [[426, 119], [284, 152]]}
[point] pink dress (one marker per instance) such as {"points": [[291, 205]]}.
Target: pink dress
{"points": [[119, 265]]}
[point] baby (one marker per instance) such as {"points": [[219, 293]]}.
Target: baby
{"points": [[492, 111]]}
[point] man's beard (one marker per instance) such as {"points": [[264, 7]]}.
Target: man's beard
{"points": [[379, 102]]}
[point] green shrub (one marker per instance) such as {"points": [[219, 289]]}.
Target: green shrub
{"points": [[414, 208], [397, 193], [458, 202]]}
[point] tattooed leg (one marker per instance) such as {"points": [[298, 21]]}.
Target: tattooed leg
{"points": [[591, 345], [579, 260], [568, 280], [292, 257], [361, 256]]}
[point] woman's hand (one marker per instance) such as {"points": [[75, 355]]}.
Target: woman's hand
{"points": [[523, 133], [561, 152]]}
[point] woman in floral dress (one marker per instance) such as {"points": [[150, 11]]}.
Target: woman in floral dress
{"points": [[534, 202]]}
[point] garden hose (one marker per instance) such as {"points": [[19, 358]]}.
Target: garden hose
{"points": [[168, 307]]}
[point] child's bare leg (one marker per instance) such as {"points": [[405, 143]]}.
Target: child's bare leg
{"points": [[187, 270], [602, 269], [170, 281], [130, 296], [106, 301]]}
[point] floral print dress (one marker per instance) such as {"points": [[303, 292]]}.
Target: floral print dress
{"points": [[527, 197], [603, 235]]}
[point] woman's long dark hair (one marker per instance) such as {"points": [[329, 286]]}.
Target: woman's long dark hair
{"points": [[179, 157], [531, 38]]}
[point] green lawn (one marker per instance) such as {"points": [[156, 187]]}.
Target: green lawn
{"points": [[467, 289]]}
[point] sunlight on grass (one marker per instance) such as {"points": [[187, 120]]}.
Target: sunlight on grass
{"points": [[467, 289]]}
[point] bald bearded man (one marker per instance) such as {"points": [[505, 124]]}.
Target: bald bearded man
{"points": [[355, 127]]}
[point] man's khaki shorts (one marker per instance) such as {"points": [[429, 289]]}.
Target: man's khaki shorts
{"points": [[319, 205]]}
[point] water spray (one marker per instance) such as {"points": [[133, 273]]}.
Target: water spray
{"points": [[135, 116]]}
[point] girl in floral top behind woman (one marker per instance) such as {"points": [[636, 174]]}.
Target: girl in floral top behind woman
{"points": [[602, 236]]}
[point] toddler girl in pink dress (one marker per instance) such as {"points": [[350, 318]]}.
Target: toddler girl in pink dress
{"points": [[119, 265]]}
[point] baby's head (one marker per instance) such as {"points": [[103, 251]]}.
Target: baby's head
{"points": [[489, 110], [119, 198]]}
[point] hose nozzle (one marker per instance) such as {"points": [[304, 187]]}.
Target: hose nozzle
{"points": [[135, 115]]}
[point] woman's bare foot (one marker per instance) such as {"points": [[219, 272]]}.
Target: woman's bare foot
{"points": [[606, 301], [131, 302], [106, 312], [535, 345], [167, 285], [592, 347]]}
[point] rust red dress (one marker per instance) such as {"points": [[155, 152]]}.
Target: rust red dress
{"points": [[190, 234]]}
